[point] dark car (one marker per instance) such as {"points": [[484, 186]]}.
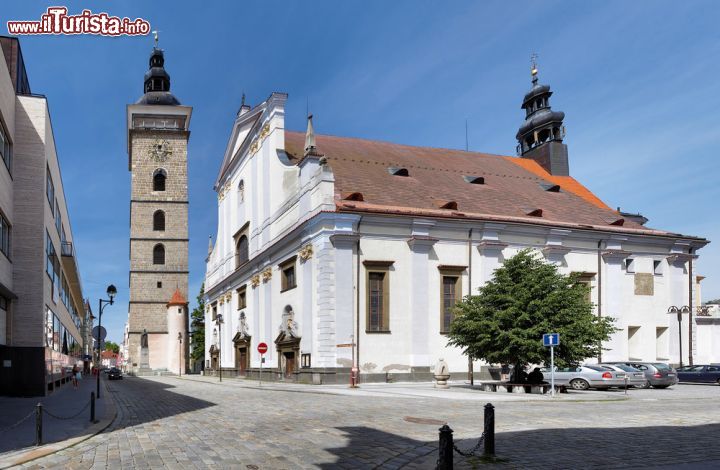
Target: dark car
{"points": [[658, 374], [114, 374], [700, 374]]}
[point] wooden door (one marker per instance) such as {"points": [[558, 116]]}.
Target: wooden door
{"points": [[289, 364], [242, 360]]}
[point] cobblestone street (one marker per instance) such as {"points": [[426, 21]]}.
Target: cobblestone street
{"points": [[178, 423]]}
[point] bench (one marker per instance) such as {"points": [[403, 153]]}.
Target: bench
{"points": [[506, 387]]}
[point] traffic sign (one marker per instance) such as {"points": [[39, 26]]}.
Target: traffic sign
{"points": [[551, 339], [102, 330], [262, 348]]}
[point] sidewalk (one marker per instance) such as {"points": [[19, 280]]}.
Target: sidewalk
{"points": [[65, 421], [459, 390]]}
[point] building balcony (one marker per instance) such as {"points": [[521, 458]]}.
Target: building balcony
{"points": [[72, 271]]}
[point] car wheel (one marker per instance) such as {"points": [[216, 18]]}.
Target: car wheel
{"points": [[661, 386], [579, 384]]}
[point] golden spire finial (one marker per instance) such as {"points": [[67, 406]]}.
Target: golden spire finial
{"points": [[533, 64], [156, 37]]}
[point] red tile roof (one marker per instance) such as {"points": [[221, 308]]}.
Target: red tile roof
{"points": [[177, 299], [436, 185]]}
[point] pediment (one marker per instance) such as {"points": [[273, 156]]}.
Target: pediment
{"points": [[240, 338], [285, 337]]}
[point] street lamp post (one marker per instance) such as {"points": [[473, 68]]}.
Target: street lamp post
{"points": [[111, 291], [219, 323], [679, 312], [179, 354]]}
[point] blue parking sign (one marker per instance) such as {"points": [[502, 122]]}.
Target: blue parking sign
{"points": [[551, 339]]}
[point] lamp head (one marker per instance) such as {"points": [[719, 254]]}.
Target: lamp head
{"points": [[111, 292]]}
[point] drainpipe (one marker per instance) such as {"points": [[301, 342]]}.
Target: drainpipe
{"points": [[599, 297], [357, 303], [471, 372], [690, 304]]}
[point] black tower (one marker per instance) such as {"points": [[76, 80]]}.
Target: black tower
{"points": [[540, 137], [157, 82]]}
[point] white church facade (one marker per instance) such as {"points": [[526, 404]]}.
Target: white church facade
{"points": [[341, 252]]}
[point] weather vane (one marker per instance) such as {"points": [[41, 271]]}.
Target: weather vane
{"points": [[155, 34]]}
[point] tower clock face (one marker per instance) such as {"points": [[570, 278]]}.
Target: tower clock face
{"points": [[160, 151]]}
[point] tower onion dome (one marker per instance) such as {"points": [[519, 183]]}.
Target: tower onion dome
{"points": [[157, 82], [541, 124]]}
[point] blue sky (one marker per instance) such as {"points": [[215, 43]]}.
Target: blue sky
{"points": [[637, 81]]}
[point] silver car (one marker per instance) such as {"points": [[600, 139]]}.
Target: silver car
{"points": [[586, 376], [636, 377]]}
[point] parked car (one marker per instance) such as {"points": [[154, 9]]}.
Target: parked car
{"points": [[586, 376], [114, 374], [658, 374], [635, 377], [700, 374]]}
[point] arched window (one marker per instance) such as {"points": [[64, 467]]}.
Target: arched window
{"points": [[159, 221], [159, 180], [159, 254], [241, 251], [241, 191]]}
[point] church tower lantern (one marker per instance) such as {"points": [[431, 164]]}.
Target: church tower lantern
{"points": [[540, 137], [157, 140]]}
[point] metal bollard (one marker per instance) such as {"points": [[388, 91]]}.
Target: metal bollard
{"points": [[445, 449], [489, 430], [38, 424], [92, 407]]}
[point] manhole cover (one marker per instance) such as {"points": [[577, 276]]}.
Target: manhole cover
{"points": [[411, 419], [252, 467]]}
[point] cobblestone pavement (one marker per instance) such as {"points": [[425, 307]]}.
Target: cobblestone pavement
{"points": [[173, 423]]}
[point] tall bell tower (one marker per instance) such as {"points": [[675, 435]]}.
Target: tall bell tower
{"points": [[157, 133]]}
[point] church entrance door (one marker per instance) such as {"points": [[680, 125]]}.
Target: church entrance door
{"points": [[289, 364]]}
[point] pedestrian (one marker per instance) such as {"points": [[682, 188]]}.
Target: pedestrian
{"points": [[75, 372], [535, 377]]}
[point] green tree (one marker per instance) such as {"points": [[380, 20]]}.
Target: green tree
{"points": [[197, 328], [110, 346], [527, 297]]}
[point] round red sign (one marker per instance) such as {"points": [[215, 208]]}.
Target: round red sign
{"points": [[262, 348]]}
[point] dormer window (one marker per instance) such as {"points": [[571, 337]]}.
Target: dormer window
{"points": [[534, 212], [353, 196], [451, 205], [474, 179], [551, 188], [398, 171]]}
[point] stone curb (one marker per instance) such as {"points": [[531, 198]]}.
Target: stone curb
{"points": [[516, 399], [26, 455]]}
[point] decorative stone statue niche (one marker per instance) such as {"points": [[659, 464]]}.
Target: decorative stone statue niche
{"points": [[442, 374], [144, 351]]}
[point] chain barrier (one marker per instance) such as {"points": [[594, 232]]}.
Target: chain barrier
{"points": [[471, 452], [67, 417], [3, 430]]}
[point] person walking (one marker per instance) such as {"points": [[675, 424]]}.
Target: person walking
{"points": [[75, 373]]}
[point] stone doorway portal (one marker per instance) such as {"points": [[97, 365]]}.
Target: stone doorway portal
{"points": [[242, 353]]}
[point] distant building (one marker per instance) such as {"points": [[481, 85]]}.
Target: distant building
{"points": [[42, 308], [110, 359], [339, 251]]}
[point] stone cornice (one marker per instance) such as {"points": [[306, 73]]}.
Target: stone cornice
{"points": [[420, 241], [616, 254]]}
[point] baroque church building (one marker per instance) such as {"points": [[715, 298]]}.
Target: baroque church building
{"points": [[342, 252], [157, 137]]}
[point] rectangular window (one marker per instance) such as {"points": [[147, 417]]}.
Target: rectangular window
{"points": [[50, 256], [377, 282], [242, 298], [214, 311], [50, 190], [5, 148], [288, 280], [657, 267], [630, 265], [4, 236], [451, 294], [58, 217]]}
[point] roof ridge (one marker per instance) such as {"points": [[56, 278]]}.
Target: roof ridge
{"points": [[386, 142]]}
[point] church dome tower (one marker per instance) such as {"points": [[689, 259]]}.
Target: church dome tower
{"points": [[157, 82], [540, 136]]}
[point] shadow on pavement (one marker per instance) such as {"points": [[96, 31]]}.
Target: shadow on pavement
{"points": [[635, 447], [137, 401]]}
